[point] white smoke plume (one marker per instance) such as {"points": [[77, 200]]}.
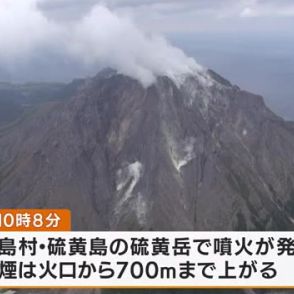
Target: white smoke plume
{"points": [[101, 37]]}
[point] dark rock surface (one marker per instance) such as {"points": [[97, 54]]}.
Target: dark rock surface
{"points": [[202, 155], [194, 157]]}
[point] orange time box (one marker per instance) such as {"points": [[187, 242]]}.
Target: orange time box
{"points": [[35, 220]]}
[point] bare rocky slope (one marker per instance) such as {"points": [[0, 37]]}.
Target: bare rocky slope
{"points": [[201, 154]]}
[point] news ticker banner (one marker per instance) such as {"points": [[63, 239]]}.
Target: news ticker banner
{"points": [[146, 259], [37, 249]]}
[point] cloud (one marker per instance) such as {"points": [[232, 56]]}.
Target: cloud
{"points": [[36, 35], [248, 12], [23, 28], [101, 37], [255, 8], [208, 15]]}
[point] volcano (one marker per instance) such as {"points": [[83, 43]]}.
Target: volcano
{"points": [[197, 153]]}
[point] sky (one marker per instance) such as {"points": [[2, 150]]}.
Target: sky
{"points": [[182, 16], [250, 42]]}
